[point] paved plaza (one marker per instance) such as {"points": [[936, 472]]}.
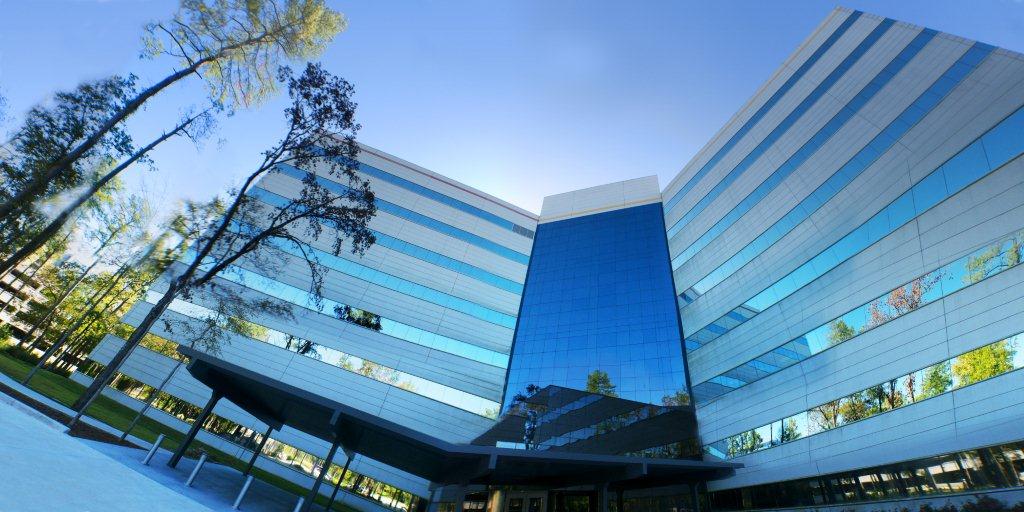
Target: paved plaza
{"points": [[43, 469]]}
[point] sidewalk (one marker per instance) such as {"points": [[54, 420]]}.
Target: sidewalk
{"points": [[43, 469]]}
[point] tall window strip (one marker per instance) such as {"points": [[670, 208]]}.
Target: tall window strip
{"points": [[980, 264], [394, 283], [983, 363], [410, 249], [337, 358], [775, 97], [362, 318], [853, 168], [418, 218], [975, 470], [998, 146], [430, 193], [846, 112], [783, 127]]}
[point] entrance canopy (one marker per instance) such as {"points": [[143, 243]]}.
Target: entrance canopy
{"points": [[277, 403]]}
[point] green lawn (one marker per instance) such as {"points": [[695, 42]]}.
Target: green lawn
{"points": [[65, 391]]}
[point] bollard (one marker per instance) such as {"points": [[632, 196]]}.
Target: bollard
{"points": [[241, 494], [152, 451], [195, 471], [298, 506]]}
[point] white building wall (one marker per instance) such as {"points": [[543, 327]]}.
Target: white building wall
{"points": [[982, 414]]}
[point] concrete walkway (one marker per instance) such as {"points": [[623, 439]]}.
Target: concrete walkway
{"points": [[42, 469]]}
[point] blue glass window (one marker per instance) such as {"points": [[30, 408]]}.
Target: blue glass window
{"points": [[418, 218], [845, 175], [599, 310], [397, 244]]}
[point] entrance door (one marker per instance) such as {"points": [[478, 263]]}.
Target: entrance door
{"points": [[526, 502]]}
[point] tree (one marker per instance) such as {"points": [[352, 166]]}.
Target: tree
{"points": [[854, 407], [984, 363], [826, 416], [46, 134], [599, 382], [938, 379], [839, 331], [193, 127], [232, 45], [680, 397], [790, 430], [992, 261], [902, 300], [321, 130]]}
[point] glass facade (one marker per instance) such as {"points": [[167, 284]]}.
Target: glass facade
{"points": [[993, 467], [397, 244], [999, 145], [864, 158], [348, 362], [791, 119], [598, 311], [969, 368], [810, 147], [775, 97], [980, 264]]}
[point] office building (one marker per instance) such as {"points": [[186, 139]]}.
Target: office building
{"points": [[823, 308]]}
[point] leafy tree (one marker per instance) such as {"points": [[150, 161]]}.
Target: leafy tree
{"points": [[839, 331], [744, 443], [321, 131], [46, 135], [599, 382], [855, 407], [678, 398], [983, 363], [938, 379], [232, 45], [902, 300], [790, 430], [826, 416], [909, 385]]}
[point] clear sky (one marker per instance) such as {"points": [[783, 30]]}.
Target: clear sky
{"points": [[520, 99]]}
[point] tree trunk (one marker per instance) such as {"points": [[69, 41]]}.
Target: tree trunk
{"points": [[58, 222], [108, 373], [39, 183], [78, 344], [152, 399], [57, 345]]}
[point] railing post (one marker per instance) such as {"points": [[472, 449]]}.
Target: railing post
{"points": [[195, 471], [241, 494], [152, 451]]}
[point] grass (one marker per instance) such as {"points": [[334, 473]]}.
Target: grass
{"points": [[119, 416]]}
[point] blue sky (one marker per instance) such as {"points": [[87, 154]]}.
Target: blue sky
{"points": [[519, 99]]}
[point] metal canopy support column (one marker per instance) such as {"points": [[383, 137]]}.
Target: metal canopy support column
{"points": [[695, 496], [602, 498], [308, 505], [620, 503], [460, 498], [341, 478], [256, 453], [196, 425]]}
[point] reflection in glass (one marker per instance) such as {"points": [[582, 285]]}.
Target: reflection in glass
{"points": [[925, 194], [982, 363], [976, 266]]}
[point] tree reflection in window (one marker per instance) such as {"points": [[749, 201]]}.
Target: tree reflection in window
{"points": [[359, 317], [968, 368]]}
